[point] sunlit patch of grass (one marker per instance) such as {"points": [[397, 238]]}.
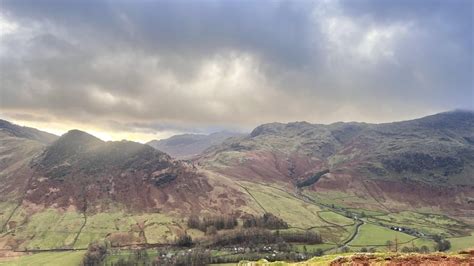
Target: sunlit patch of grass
{"points": [[294, 211]]}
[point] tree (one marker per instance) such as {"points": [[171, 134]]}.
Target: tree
{"points": [[389, 245], [424, 249], [194, 222], [443, 245], [364, 249], [184, 240], [95, 254]]}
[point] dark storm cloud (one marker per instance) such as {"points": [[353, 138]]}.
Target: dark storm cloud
{"points": [[151, 65]]}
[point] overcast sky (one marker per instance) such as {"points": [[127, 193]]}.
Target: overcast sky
{"points": [[148, 69]]}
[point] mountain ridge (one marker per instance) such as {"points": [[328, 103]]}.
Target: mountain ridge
{"points": [[27, 132], [186, 146], [294, 171]]}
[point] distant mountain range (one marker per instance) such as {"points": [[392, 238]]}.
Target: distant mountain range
{"points": [[423, 164], [186, 146]]}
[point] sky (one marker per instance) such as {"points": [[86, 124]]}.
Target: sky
{"points": [[143, 70]]}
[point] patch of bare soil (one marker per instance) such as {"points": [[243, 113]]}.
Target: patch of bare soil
{"points": [[407, 259]]}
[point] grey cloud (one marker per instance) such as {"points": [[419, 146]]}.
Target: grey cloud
{"points": [[156, 65]]}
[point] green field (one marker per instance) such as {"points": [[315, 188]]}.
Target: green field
{"points": [[335, 218], [48, 259], [51, 228], [146, 255], [373, 235], [429, 224], [312, 248], [46, 229], [294, 211], [461, 243]]}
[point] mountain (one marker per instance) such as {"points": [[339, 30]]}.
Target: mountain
{"points": [[190, 145], [18, 146], [330, 179], [26, 132], [422, 162]]}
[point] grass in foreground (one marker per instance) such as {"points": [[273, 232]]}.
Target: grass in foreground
{"points": [[48, 259]]}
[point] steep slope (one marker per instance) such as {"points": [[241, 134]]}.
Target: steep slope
{"points": [[26, 132], [85, 172], [80, 189], [189, 145], [18, 146], [422, 162]]}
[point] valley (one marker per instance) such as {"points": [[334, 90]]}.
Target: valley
{"points": [[357, 187]]}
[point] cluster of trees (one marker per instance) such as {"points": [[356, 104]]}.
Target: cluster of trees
{"points": [[254, 236], [308, 237], [95, 254], [441, 243], [212, 224], [422, 249], [370, 250], [184, 240], [267, 220], [312, 179]]}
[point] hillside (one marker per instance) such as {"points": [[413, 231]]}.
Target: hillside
{"points": [[26, 132], [347, 182], [186, 146], [422, 162], [79, 188]]}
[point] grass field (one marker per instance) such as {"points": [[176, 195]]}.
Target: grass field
{"points": [[335, 218], [461, 243], [51, 228], [312, 248], [373, 235], [70, 258], [156, 226], [147, 255], [429, 224], [294, 211], [47, 229]]}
